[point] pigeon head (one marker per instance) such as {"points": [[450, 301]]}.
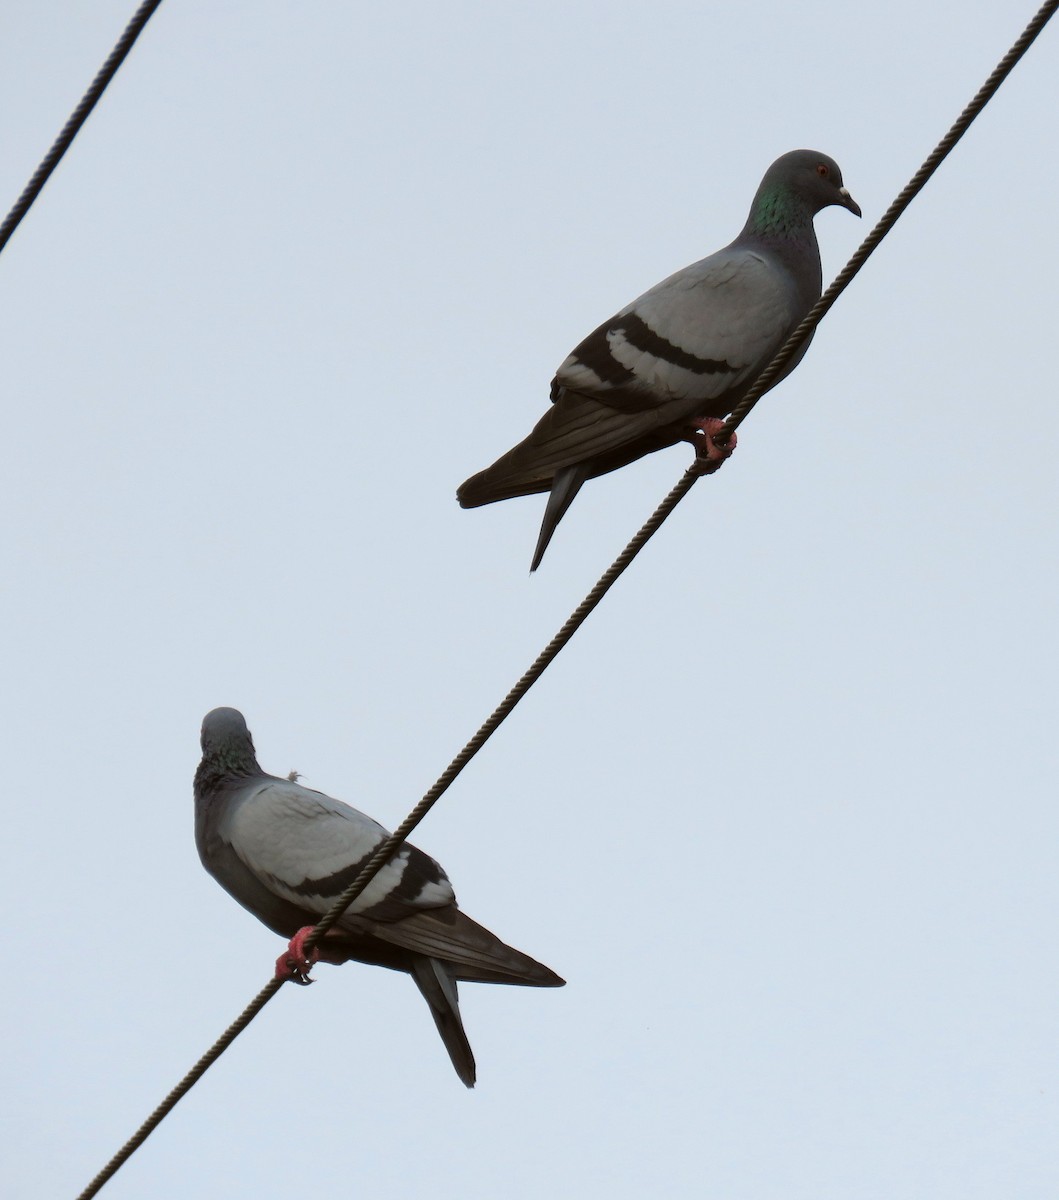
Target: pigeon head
{"points": [[795, 188], [226, 739]]}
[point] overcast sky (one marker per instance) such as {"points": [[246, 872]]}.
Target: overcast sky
{"points": [[783, 814]]}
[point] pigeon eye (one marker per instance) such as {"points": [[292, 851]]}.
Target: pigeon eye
{"points": [[822, 171]]}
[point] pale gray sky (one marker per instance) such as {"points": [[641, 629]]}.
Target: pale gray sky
{"points": [[783, 814]]}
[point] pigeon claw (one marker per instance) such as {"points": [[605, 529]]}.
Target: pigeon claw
{"points": [[710, 455], [294, 964]]}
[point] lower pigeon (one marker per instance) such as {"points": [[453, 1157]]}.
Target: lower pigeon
{"points": [[286, 853]]}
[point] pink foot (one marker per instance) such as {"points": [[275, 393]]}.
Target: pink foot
{"points": [[293, 963], [709, 455]]}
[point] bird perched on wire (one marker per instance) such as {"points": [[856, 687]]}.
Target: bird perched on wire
{"points": [[675, 361], [286, 853]]}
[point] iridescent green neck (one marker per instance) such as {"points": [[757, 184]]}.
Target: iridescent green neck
{"points": [[777, 214]]}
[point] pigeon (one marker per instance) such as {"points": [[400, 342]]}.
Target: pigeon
{"points": [[675, 361], [286, 852]]}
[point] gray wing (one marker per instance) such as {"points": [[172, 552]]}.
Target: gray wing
{"points": [[687, 348], [694, 337], [302, 849], [305, 848]]}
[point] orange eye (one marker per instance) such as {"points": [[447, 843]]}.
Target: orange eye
{"points": [[821, 169]]}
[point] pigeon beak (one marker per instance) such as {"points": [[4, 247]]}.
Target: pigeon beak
{"points": [[849, 202]]}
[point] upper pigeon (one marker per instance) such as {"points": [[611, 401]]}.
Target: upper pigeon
{"points": [[286, 852], [679, 358]]}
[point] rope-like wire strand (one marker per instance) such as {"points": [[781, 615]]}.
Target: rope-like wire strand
{"points": [[889, 218], [183, 1087], [739, 413], [77, 118], [387, 848]]}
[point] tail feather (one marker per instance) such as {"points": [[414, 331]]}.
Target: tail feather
{"points": [[439, 990], [469, 951], [565, 486]]}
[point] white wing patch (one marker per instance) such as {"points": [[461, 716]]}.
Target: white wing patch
{"points": [[573, 374], [667, 380]]}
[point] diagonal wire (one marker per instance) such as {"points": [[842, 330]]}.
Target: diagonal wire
{"points": [[889, 218], [184, 1086], [680, 490], [77, 118], [387, 848]]}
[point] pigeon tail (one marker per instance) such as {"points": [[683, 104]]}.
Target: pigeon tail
{"points": [[565, 486], [439, 990]]}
